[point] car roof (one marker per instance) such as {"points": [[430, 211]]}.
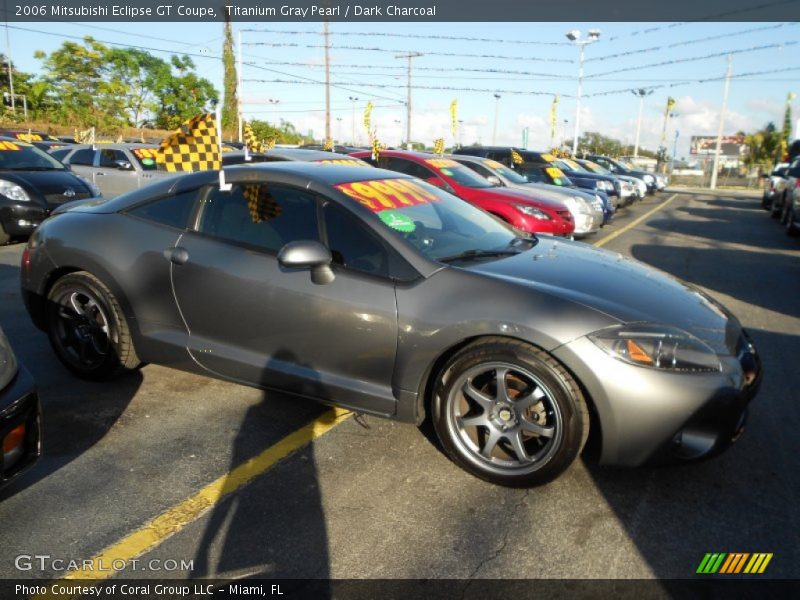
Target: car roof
{"points": [[306, 154], [398, 153]]}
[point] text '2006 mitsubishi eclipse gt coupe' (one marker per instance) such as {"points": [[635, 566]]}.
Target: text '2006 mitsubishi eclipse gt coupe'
{"points": [[376, 291]]}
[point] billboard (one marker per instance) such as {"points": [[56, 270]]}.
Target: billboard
{"points": [[704, 145]]}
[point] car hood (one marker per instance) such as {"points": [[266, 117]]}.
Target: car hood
{"points": [[514, 196], [47, 183], [619, 287]]}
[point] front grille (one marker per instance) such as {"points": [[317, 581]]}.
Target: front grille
{"points": [[58, 199]]}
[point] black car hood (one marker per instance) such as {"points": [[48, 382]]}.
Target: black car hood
{"points": [[620, 287], [49, 186]]}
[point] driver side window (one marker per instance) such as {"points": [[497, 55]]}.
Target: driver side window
{"points": [[109, 157]]}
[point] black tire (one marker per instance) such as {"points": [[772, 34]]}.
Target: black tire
{"points": [[526, 435], [87, 328], [775, 209], [789, 227]]}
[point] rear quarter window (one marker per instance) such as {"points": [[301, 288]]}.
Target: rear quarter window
{"points": [[82, 157]]}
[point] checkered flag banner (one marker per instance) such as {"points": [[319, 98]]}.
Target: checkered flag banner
{"points": [[268, 144], [377, 147], [250, 140], [516, 157], [86, 136], [327, 145], [438, 146], [193, 147], [261, 203]]}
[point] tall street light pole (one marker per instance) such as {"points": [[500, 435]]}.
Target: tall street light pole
{"points": [[713, 184], [409, 56], [575, 37], [496, 111], [641, 93], [353, 99]]}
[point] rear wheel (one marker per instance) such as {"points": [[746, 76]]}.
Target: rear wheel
{"points": [[789, 225], [775, 209], [87, 328], [509, 413]]}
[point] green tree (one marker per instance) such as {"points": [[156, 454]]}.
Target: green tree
{"points": [[181, 94], [230, 106], [762, 147], [285, 133], [133, 75], [86, 96]]}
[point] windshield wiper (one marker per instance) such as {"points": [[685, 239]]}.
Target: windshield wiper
{"points": [[472, 254]]}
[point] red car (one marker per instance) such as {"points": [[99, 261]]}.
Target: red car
{"points": [[517, 208]]}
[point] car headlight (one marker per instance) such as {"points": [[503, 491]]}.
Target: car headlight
{"points": [[657, 347], [580, 205], [648, 178], [13, 191], [605, 185], [532, 211], [92, 187], [8, 364]]}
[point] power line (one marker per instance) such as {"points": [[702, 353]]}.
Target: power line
{"points": [[694, 58], [704, 80], [424, 87], [689, 42], [716, 17], [411, 36], [397, 51]]}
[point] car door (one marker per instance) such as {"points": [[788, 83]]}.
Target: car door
{"points": [[115, 172], [253, 321], [81, 162]]}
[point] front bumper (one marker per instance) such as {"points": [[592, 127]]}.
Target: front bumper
{"points": [[19, 405], [647, 415], [20, 219]]}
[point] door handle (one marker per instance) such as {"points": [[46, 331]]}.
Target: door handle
{"points": [[100, 174], [176, 255]]}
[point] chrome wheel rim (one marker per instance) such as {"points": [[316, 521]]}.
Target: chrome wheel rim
{"points": [[82, 328], [504, 418]]}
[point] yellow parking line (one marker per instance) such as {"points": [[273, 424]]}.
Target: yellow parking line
{"points": [[635, 222], [179, 516]]}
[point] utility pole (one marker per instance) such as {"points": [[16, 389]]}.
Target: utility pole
{"points": [[353, 99], [239, 86], [713, 184], [327, 83], [409, 56], [641, 93], [10, 73], [496, 112]]}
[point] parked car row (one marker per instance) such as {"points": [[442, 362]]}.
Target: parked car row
{"points": [[381, 291], [781, 195]]}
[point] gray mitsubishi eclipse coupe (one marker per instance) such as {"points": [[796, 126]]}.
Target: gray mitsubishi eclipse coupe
{"points": [[378, 292]]}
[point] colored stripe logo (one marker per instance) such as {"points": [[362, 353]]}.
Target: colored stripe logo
{"points": [[734, 563]]}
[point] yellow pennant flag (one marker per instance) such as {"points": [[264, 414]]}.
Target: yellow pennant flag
{"points": [[438, 146], [368, 119], [193, 147], [516, 157], [454, 117], [377, 147], [250, 139], [554, 116], [268, 144]]}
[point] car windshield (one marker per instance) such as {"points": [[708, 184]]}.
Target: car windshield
{"points": [[544, 173], [439, 225], [566, 164], [19, 156], [146, 157], [504, 171], [595, 168], [458, 173]]}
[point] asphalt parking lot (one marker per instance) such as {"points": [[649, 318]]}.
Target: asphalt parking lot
{"points": [[376, 499]]}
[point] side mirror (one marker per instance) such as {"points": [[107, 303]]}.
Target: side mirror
{"points": [[308, 254], [494, 180], [123, 165]]}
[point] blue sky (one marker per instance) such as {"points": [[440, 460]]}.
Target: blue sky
{"points": [[547, 69]]}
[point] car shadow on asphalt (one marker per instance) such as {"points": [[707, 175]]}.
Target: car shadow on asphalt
{"points": [[274, 527], [76, 414]]}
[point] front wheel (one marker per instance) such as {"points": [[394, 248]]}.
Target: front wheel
{"points": [[790, 227], [509, 413], [87, 328]]}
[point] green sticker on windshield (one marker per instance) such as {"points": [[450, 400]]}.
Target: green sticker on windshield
{"points": [[148, 161], [397, 221], [447, 172]]}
